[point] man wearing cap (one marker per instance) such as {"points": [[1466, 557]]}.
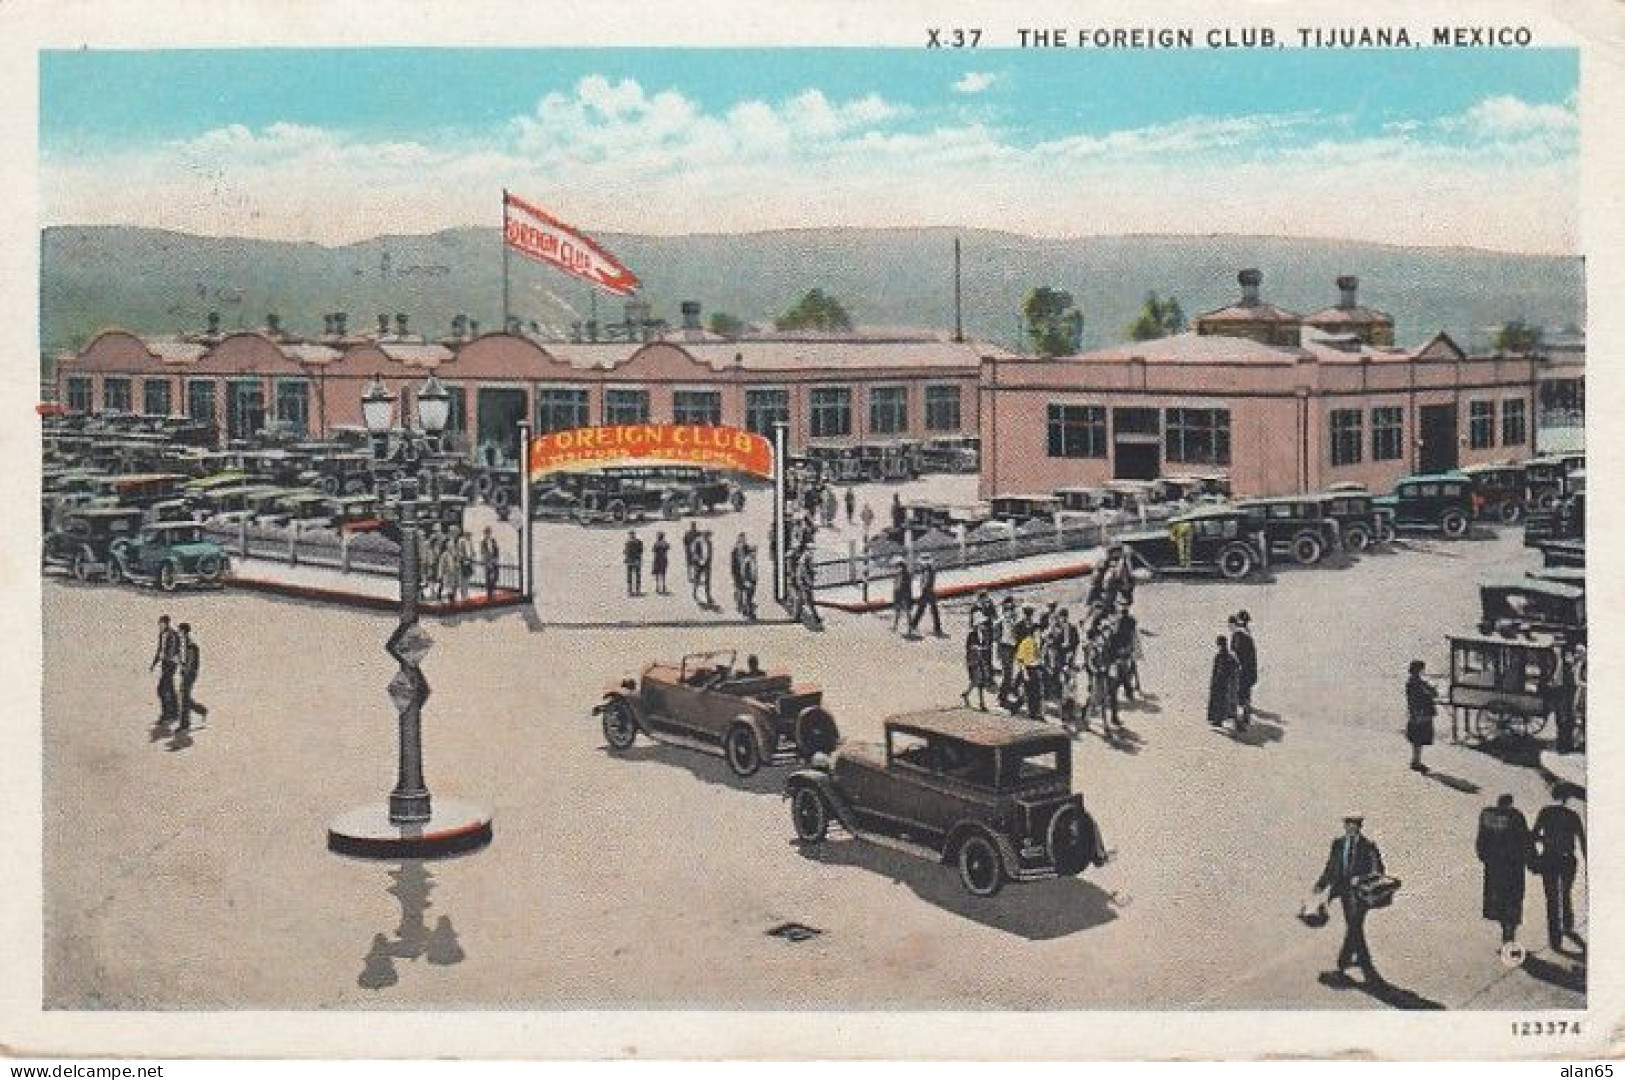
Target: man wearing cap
{"points": [[1558, 831], [902, 595], [1246, 654], [1353, 857], [927, 594], [632, 556]]}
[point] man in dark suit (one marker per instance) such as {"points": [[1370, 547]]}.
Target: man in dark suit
{"points": [[166, 659], [1246, 654], [1559, 832], [1353, 857], [633, 557], [191, 666], [926, 599]]}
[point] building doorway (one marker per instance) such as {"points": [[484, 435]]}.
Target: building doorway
{"points": [[500, 410], [1136, 444], [1438, 436]]}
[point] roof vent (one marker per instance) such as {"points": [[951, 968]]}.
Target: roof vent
{"points": [[1348, 285], [1250, 280]]}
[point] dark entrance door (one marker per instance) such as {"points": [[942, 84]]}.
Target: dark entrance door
{"points": [[1439, 439], [501, 409], [1136, 444]]}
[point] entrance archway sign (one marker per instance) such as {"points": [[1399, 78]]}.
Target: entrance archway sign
{"points": [[651, 444]]}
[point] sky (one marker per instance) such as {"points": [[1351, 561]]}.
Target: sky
{"points": [[1470, 147]]}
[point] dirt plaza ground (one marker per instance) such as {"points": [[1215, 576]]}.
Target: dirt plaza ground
{"points": [[192, 873]]}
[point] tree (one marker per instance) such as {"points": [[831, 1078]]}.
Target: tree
{"points": [[1517, 336], [1054, 323], [1158, 318], [815, 311], [724, 325]]}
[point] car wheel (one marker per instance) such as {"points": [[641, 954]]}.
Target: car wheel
{"points": [[1454, 524], [501, 499], [669, 508], [1385, 531], [1070, 840], [620, 726], [1307, 548], [1357, 537], [81, 566], [743, 752], [211, 568], [167, 577], [1235, 562], [737, 500], [617, 512], [815, 733], [115, 571], [810, 813], [1546, 500], [329, 485], [979, 869], [1511, 512]]}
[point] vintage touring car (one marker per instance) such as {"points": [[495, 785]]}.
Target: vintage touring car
{"points": [[749, 716], [987, 794]]}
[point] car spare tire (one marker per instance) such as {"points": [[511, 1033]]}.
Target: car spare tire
{"points": [[1071, 840], [815, 732]]}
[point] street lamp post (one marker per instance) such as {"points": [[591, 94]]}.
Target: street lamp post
{"points": [[410, 825]]}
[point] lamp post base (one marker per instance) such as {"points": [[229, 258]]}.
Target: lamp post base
{"points": [[366, 831]]}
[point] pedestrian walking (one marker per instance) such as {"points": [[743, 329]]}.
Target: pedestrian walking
{"points": [[1564, 690], [899, 515], [451, 583], [465, 555], [1126, 651], [830, 507], [739, 569], [851, 500], [1558, 832], [1029, 681], [802, 582], [702, 569], [926, 598], [902, 595], [166, 660], [1504, 848], [978, 660], [691, 557], [1246, 654], [1353, 858], [1421, 706], [659, 562], [1006, 640], [490, 556], [1221, 687], [867, 517], [191, 665], [632, 556]]}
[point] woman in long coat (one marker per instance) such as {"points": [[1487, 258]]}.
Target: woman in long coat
{"points": [[1421, 705], [978, 660], [1503, 847], [1221, 687]]}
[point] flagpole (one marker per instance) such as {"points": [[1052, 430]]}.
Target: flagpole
{"points": [[505, 262]]}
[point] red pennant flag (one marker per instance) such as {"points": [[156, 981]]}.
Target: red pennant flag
{"points": [[538, 235]]}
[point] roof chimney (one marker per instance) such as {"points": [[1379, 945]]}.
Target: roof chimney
{"points": [[273, 324], [214, 324], [400, 324], [473, 328], [340, 319], [515, 325], [459, 326], [1349, 284], [691, 314], [383, 324], [1250, 280], [327, 325]]}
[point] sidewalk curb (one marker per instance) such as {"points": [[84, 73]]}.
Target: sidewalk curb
{"points": [[504, 598], [1014, 581]]}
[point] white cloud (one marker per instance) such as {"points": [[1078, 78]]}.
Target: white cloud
{"points": [[974, 82], [615, 155]]}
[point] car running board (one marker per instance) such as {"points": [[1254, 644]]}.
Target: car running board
{"points": [[908, 847]]}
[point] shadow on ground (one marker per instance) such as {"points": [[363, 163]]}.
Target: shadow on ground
{"points": [[1037, 911], [1395, 997], [704, 767]]}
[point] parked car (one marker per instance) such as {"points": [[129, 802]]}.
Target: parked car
{"points": [[704, 702], [694, 489], [1297, 525], [1564, 520], [1530, 605], [895, 460], [354, 513], [310, 509], [338, 472], [836, 462], [1499, 491], [1359, 524], [951, 454], [1546, 479], [1442, 501], [1017, 509], [1216, 539], [989, 795], [83, 539], [167, 554]]}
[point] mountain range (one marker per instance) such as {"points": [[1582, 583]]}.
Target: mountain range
{"points": [[159, 282]]}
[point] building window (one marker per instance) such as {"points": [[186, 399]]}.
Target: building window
{"points": [[245, 408], [1348, 436], [1077, 431], [1514, 423], [942, 408], [624, 406], [1197, 436], [560, 408], [155, 397], [888, 410], [293, 405], [696, 407], [764, 408], [200, 400], [79, 393], [1387, 433], [1481, 424], [831, 412], [115, 395]]}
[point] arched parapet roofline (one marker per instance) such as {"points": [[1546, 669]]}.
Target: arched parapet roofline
{"points": [[497, 355], [666, 360], [247, 352], [115, 349]]}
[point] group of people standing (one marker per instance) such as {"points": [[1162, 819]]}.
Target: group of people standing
{"points": [[1235, 673], [1030, 658], [177, 657], [699, 553], [446, 562]]}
